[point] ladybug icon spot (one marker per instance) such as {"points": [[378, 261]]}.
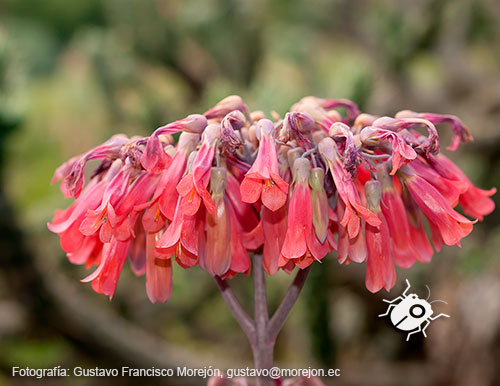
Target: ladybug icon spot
{"points": [[417, 311]]}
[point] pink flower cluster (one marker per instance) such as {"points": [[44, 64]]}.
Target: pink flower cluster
{"points": [[292, 189]]}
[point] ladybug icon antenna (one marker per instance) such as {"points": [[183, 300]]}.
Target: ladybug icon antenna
{"points": [[437, 300], [429, 290]]}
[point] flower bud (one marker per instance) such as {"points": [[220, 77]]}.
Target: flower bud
{"points": [[300, 171], [215, 256], [264, 127], [211, 133], [293, 154], [320, 210]]}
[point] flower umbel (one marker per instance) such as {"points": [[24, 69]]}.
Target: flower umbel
{"points": [[237, 183]]}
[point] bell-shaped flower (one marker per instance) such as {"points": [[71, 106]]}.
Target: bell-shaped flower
{"points": [[396, 218], [193, 187], [165, 194], [158, 272], [66, 223], [180, 239], [350, 249], [346, 189], [72, 172], [380, 271], [474, 201], [448, 188], [320, 208], [451, 225], [215, 256], [113, 194], [105, 278], [295, 127], [263, 179], [301, 244], [312, 106]]}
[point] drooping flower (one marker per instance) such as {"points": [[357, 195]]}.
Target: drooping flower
{"points": [[462, 133], [263, 178], [395, 216], [452, 226], [346, 190], [474, 201], [215, 256], [193, 187], [158, 273], [301, 245], [380, 272], [105, 278]]}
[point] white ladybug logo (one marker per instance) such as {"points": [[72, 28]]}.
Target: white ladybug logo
{"points": [[411, 314]]}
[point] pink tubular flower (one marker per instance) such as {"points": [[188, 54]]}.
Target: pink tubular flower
{"points": [[474, 201], [71, 172], [380, 272], [105, 278], [165, 194], [301, 244], [158, 273], [215, 256], [452, 226], [274, 227], [180, 239], [347, 190], [113, 193], [263, 177], [193, 187], [66, 223], [350, 249], [394, 213]]}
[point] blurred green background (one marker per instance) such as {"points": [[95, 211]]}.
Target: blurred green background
{"points": [[72, 73]]}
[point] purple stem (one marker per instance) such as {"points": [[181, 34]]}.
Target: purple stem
{"points": [[262, 332], [263, 347], [279, 317], [246, 324]]}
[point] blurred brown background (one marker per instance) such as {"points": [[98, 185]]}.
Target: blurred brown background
{"points": [[72, 73]]}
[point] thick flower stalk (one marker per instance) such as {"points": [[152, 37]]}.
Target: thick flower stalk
{"points": [[286, 190]]}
